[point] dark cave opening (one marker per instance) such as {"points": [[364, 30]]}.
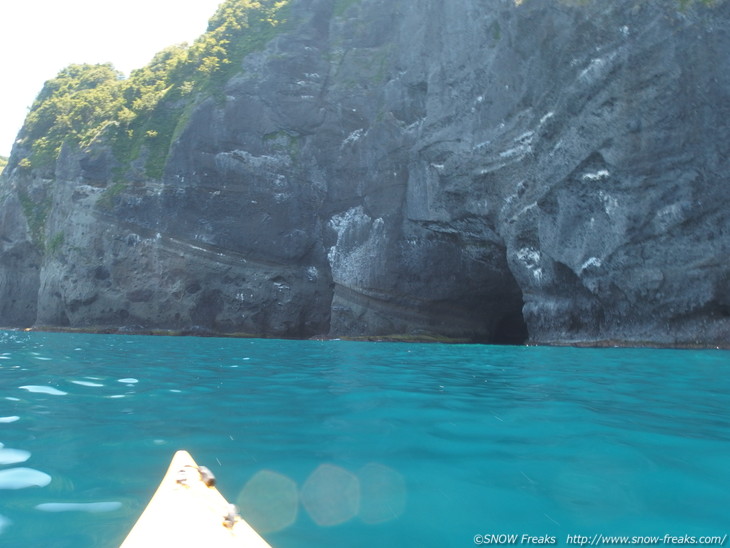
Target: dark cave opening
{"points": [[511, 329]]}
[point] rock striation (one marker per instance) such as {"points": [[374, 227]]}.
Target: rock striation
{"points": [[482, 169]]}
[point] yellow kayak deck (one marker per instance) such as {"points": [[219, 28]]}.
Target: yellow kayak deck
{"points": [[188, 511]]}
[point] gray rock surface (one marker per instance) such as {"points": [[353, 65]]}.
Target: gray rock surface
{"points": [[471, 168]]}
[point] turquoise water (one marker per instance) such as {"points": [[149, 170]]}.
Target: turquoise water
{"points": [[344, 444]]}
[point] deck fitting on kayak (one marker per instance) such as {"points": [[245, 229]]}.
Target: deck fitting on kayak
{"points": [[206, 476], [203, 474], [232, 517]]}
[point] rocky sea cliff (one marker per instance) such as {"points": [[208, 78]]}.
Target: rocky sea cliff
{"points": [[552, 172]]}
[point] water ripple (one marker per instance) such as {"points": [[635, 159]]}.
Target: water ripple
{"points": [[4, 522], [13, 456], [92, 507], [21, 478], [88, 383], [44, 390]]}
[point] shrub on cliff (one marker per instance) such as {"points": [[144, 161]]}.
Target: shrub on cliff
{"points": [[84, 103]]}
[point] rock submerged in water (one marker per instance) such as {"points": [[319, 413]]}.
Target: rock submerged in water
{"points": [[487, 171]]}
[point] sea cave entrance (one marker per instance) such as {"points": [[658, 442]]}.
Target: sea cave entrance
{"points": [[511, 329]]}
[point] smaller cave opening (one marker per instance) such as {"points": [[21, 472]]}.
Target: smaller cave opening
{"points": [[511, 329]]}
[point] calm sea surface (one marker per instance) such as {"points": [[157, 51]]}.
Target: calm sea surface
{"points": [[342, 444]]}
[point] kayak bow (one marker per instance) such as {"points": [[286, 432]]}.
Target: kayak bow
{"points": [[188, 511]]}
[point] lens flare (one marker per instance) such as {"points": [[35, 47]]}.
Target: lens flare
{"points": [[270, 501], [331, 495], [382, 493]]}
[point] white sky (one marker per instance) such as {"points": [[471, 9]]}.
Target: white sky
{"points": [[40, 37]]}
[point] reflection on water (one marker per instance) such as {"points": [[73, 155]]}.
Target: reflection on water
{"points": [[22, 478], [88, 383], [44, 390], [355, 444], [92, 507], [13, 456]]}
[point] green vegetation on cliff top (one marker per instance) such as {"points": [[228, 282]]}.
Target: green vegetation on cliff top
{"points": [[86, 103], [3, 163]]}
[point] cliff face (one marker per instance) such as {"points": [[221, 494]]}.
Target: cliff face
{"points": [[471, 168]]}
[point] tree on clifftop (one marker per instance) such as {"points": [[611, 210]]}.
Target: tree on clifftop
{"points": [[86, 102]]}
